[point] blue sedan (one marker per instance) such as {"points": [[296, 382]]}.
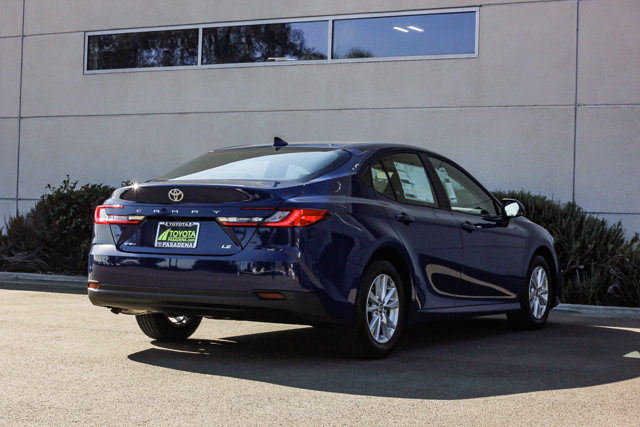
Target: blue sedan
{"points": [[360, 237]]}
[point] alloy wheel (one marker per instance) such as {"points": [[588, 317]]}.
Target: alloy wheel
{"points": [[538, 292], [383, 308]]}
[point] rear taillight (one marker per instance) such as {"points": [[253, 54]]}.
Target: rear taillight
{"points": [[281, 218], [295, 218], [102, 217]]}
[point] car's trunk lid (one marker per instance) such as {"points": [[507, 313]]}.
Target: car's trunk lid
{"points": [[185, 218]]}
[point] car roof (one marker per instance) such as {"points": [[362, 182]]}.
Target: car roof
{"points": [[345, 145]]}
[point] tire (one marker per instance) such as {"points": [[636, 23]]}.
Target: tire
{"points": [[161, 327], [362, 341], [538, 288]]}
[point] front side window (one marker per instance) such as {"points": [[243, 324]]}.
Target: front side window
{"points": [[260, 164], [409, 179], [463, 193]]}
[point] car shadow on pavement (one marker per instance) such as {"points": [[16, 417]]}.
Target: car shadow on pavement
{"points": [[451, 360]]}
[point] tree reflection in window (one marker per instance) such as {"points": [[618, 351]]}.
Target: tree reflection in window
{"points": [[302, 41], [357, 52], [143, 49]]}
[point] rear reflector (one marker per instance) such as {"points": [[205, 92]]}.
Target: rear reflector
{"points": [[270, 295], [94, 285], [102, 217], [240, 221]]}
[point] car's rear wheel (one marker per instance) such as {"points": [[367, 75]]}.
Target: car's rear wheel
{"points": [[163, 327], [535, 301], [379, 314]]}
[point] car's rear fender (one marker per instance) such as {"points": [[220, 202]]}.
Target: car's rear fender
{"points": [[336, 251]]}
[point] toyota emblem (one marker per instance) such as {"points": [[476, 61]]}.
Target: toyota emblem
{"points": [[175, 195]]}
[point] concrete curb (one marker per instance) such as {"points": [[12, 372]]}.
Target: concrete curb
{"points": [[600, 310], [6, 275]]}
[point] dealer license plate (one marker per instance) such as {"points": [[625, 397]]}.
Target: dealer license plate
{"points": [[173, 234]]}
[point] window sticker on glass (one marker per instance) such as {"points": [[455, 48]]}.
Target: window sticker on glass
{"points": [[444, 177], [415, 184]]}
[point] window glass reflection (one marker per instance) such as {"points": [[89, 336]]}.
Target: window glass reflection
{"points": [[143, 50], [299, 41], [464, 194], [409, 35], [291, 163]]}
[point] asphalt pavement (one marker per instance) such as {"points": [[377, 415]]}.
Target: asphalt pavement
{"points": [[64, 361]]}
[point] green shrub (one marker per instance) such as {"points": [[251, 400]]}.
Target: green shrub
{"points": [[600, 266], [55, 236]]}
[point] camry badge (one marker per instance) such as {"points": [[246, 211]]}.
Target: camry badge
{"points": [[175, 195]]}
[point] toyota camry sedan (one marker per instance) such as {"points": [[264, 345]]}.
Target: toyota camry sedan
{"points": [[360, 237]]}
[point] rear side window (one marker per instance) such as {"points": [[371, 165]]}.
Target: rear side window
{"points": [[409, 179], [402, 176], [260, 164]]}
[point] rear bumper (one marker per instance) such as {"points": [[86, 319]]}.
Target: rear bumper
{"points": [[296, 307], [215, 286]]}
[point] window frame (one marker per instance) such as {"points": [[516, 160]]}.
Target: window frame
{"points": [[330, 60], [440, 202], [369, 179], [443, 194], [263, 22], [476, 10]]}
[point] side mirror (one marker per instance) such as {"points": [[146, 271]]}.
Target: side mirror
{"points": [[511, 208]]}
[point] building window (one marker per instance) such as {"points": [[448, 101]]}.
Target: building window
{"points": [[347, 38], [290, 41], [399, 36], [148, 49]]}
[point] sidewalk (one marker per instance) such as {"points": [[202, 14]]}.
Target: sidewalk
{"points": [[11, 276]]}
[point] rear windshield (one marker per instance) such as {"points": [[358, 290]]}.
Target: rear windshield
{"points": [[265, 163]]}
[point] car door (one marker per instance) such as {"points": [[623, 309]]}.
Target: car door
{"points": [[429, 233], [493, 249]]}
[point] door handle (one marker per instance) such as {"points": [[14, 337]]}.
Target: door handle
{"points": [[405, 219], [469, 227]]}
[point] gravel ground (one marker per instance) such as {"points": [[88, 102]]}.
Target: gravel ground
{"points": [[63, 361]]}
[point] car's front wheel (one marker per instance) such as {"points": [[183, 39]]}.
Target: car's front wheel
{"points": [[535, 301], [163, 327], [379, 314]]}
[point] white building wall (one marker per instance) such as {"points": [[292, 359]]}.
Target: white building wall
{"points": [[11, 18], [10, 48], [508, 115], [608, 123]]}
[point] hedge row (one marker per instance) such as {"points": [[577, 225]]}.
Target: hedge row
{"points": [[600, 266], [55, 236]]}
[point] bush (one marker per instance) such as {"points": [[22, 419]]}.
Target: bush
{"points": [[599, 265], [55, 236]]}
